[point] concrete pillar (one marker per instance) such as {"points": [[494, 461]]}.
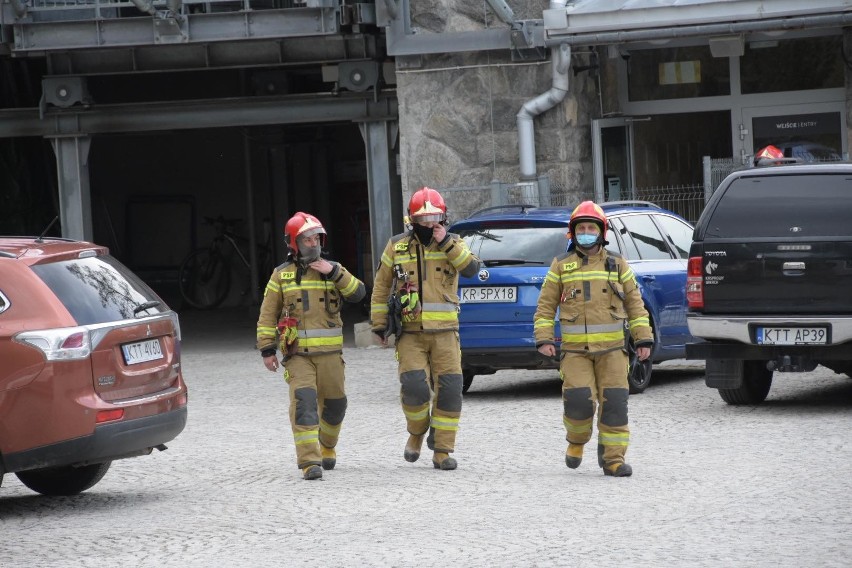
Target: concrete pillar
{"points": [[75, 203]]}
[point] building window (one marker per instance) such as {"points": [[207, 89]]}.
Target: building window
{"points": [[792, 65], [677, 73]]}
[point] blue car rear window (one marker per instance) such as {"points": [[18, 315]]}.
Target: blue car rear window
{"points": [[516, 245], [98, 289]]}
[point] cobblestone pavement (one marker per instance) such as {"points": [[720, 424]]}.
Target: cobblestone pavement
{"points": [[714, 485]]}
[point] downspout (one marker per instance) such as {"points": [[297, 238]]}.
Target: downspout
{"points": [[560, 63]]}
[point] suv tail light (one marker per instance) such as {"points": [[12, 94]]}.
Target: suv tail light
{"points": [[63, 344], [694, 283]]}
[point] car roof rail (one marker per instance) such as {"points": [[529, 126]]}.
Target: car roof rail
{"points": [[7, 254], [632, 203], [522, 206]]}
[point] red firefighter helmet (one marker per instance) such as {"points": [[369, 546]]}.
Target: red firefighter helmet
{"points": [[302, 225], [588, 211], [768, 153], [427, 206]]}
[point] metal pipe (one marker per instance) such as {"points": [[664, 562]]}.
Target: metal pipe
{"points": [[146, 6], [803, 22], [20, 7], [392, 9], [174, 6], [560, 63]]}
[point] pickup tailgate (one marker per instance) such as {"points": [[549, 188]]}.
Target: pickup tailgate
{"points": [[762, 277], [778, 241]]}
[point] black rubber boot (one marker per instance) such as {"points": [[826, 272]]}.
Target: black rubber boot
{"points": [[618, 470], [574, 455], [329, 457], [412, 448], [312, 472], [443, 461]]}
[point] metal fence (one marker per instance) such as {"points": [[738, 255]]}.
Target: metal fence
{"points": [[686, 200]]}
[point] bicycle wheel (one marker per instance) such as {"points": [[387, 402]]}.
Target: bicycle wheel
{"points": [[205, 279]]}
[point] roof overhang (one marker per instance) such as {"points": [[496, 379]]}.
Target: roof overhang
{"points": [[616, 21]]}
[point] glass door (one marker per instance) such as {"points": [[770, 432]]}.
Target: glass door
{"points": [[612, 153], [811, 132]]}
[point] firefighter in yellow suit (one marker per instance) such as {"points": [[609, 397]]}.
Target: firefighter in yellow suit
{"points": [[596, 294], [301, 313], [422, 268]]}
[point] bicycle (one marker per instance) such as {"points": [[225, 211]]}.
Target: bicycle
{"points": [[205, 273]]}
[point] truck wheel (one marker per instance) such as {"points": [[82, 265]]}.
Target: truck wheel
{"points": [[467, 379], [756, 381], [66, 480]]}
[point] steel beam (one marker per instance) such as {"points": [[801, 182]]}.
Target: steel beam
{"points": [[247, 111], [233, 55], [379, 139], [187, 29], [75, 204]]}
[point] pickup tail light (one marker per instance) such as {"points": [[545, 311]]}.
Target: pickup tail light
{"points": [[694, 283]]}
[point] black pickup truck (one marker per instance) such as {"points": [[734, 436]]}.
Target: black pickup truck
{"points": [[769, 279]]}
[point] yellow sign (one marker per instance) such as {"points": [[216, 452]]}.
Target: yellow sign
{"points": [[288, 276], [569, 266], [400, 247]]}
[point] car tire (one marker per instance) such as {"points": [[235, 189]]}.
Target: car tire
{"points": [[754, 387], [65, 480], [639, 374], [467, 380]]}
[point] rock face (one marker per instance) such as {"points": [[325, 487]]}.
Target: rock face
{"points": [[458, 112]]}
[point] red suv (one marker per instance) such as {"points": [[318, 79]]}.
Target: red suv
{"points": [[90, 366]]}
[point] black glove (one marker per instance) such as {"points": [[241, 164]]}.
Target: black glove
{"points": [[380, 333]]}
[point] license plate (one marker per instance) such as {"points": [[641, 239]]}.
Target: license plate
{"points": [[792, 335], [142, 351], [489, 294]]}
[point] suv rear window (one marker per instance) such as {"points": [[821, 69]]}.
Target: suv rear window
{"points": [[804, 205], [529, 245], [98, 289]]}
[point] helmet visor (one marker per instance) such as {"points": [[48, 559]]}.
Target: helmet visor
{"points": [[430, 218], [311, 232]]}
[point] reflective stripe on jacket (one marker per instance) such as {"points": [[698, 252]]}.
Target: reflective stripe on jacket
{"points": [[596, 295], [314, 300], [434, 269]]}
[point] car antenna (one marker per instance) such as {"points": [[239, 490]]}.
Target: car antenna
{"points": [[40, 238]]}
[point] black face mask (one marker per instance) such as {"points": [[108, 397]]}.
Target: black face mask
{"points": [[424, 234]]}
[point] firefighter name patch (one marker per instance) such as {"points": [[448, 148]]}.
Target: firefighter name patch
{"points": [[288, 275], [569, 266], [400, 247]]}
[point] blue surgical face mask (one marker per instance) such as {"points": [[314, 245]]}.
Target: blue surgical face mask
{"points": [[587, 240]]}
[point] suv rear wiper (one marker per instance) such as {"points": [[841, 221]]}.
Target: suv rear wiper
{"points": [[146, 306], [505, 261]]}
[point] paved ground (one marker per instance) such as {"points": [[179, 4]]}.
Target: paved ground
{"points": [[714, 485]]}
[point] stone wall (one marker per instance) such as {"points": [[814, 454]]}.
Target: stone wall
{"points": [[458, 125]]}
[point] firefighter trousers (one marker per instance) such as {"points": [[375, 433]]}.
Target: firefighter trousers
{"points": [[596, 380], [317, 403], [430, 379]]}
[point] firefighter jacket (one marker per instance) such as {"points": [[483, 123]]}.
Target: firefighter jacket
{"points": [[433, 271], [595, 295], [312, 301]]}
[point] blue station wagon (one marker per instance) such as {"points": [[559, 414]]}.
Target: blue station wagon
{"points": [[517, 244]]}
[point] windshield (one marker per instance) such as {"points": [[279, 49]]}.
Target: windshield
{"points": [[529, 245], [792, 206], [99, 290]]}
